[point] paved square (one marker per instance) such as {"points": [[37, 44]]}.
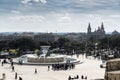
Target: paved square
{"points": [[90, 68]]}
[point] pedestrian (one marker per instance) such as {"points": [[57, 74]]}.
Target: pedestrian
{"points": [[13, 68], [82, 77], [86, 78], [11, 63], [48, 67], [16, 76], [3, 76], [69, 78], [2, 63], [20, 78], [77, 77], [35, 71]]}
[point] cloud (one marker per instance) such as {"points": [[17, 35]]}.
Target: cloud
{"points": [[33, 1], [25, 1], [72, 6], [15, 11], [27, 18], [65, 18], [115, 16], [43, 1]]}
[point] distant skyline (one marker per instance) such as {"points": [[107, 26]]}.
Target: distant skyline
{"points": [[58, 15]]}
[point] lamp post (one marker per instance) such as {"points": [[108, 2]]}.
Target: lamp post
{"points": [[96, 47]]}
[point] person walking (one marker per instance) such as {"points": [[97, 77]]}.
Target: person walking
{"points": [[13, 68], [77, 77], [2, 63], [86, 78], [20, 78], [69, 78], [16, 76], [48, 67], [82, 77], [11, 63], [35, 71]]}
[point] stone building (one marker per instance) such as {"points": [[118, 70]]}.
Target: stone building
{"points": [[97, 34], [115, 32], [45, 37], [14, 36]]}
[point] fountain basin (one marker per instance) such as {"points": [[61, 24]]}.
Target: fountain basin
{"points": [[32, 59]]}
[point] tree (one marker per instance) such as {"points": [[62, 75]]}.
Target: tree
{"points": [[25, 43]]}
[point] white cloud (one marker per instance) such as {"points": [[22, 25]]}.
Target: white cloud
{"points": [[65, 18], [15, 11], [115, 16], [25, 1], [43, 1], [82, 0], [27, 18], [30, 1], [36, 0]]}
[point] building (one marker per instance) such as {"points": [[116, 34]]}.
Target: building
{"points": [[81, 37], [45, 37], [14, 36], [97, 34], [115, 32]]}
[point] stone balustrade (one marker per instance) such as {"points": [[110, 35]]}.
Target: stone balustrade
{"points": [[113, 69], [46, 60]]}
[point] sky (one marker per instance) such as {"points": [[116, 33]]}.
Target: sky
{"points": [[58, 15]]}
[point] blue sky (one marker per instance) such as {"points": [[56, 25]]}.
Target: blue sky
{"points": [[58, 15]]}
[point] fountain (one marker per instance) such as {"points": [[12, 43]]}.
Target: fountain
{"points": [[44, 51], [45, 58]]}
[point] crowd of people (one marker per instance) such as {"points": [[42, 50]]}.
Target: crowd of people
{"points": [[64, 66], [77, 77]]}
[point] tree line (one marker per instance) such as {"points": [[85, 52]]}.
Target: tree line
{"points": [[62, 43]]}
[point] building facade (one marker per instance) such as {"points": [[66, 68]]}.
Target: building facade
{"points": [[97, 34], [45, 37]]}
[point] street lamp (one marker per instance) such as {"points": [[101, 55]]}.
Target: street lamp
{"points": [[96, 46]]}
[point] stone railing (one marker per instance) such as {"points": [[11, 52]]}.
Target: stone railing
{"points": [[113, 70], [46, 60], [113, 65]]}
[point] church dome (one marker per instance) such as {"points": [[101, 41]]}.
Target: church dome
{"points": [[115, 32]]}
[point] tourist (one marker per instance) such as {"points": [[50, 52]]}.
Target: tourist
{"points": [[16, 76], [82, 77], [64, 66], [11, 63], [20, 62], [69, 78], [48, 67], [2, 63], [35, 71], [86, 78], [3, 76], [77, 77], [20, 78], [13, 68], [77, 55]]}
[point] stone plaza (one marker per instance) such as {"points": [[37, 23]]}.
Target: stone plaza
{"points": [[89, 67]]}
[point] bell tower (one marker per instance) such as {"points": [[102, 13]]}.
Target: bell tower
{"points": [[102, 28], [89, 29]]}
